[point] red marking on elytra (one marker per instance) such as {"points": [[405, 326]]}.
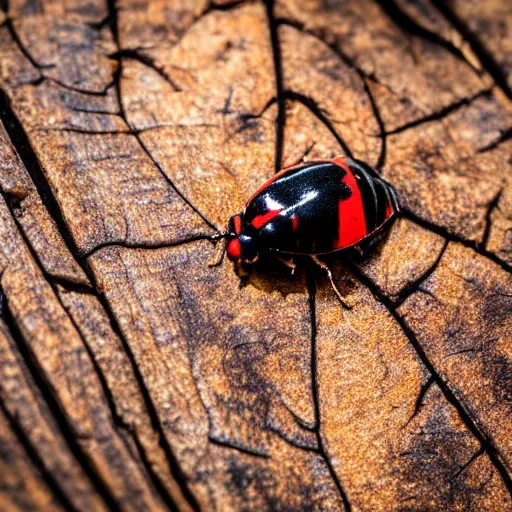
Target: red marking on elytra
{"points": [[351, 221], [260, 220], [237, 221], [295, 222], [389, 211], [340, 160], [234, 250]]}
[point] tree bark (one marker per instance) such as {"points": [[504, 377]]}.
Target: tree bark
{"points": [[133, 376]]}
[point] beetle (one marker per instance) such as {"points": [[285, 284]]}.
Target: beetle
{"points": [[313, 208]]}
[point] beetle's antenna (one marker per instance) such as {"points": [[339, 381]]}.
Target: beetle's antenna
{"points": [[219, 236], [327, 270]]}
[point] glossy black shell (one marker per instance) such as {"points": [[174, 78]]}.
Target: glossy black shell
{"points": [[308, 209]]}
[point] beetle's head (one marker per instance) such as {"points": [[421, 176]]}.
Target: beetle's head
{"points": [[241, 246]]}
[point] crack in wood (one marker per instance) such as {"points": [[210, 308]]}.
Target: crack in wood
{"points": [[28, 156], [407, 24], [406, 292], [485, 57], [128, 130], [482, 436], [488, 221], [319, 113], [117, 85], [176, 470], [100, 93], [505, 136], [148, 61], [419, 400], [291, 441], [164, 245], [34, 457], [279, 80], [59, 415], [315, 389], [118, 421], [238, 447], [282, 96], [470, 461], [364, 77], [16, 39], [442, 231], [441, 114]]}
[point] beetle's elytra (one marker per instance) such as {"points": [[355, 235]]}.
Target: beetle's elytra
{"points": [[312, 208]]}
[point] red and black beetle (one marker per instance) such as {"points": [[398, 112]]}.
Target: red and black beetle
{"points": [[312, 208]]}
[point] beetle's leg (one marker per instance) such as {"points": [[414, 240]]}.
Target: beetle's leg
{"points": [[241, 272], [366, 247], [288, 262], [327, 270], [219, 254]]}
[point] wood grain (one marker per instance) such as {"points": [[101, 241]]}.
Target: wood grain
{"points": [[134, 376]]}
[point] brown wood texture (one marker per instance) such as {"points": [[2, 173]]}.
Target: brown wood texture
{"points": [[133, 376]]}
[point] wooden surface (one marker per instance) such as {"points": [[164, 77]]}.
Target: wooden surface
{"points": [[135, 377]]}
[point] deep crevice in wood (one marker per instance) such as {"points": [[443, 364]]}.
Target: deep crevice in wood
{"points": [[148, 61], [488, 221], [419, 400], [118, 422], [151, 410], [444, 112], [405, 23], [406, 292], [116, 419], [450, 396], [442, 231], [59, 415], [311, 283], [164, 245], [176, 470], [506, 135], [279, 79], [320, 114], [15, 37], [28, 156], [236, 446], [36, 460], [381, 160], [484, 55]]}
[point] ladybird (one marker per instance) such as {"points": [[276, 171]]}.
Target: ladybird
{"points": [[312, 208]]}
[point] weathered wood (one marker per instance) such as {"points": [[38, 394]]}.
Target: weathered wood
{"points": [[133, 376]]}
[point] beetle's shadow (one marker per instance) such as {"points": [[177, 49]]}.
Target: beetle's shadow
{"points": [[269, 274]]}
